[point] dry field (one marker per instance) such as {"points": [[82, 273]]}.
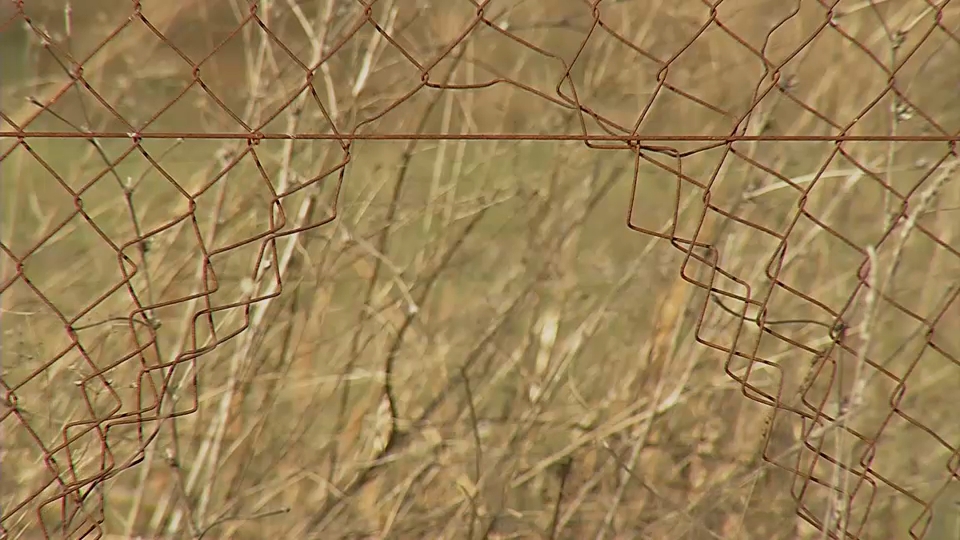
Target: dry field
{"points": [[228, 336]]}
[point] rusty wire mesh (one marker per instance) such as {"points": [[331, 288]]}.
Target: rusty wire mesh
{"points": [[803, 157]]}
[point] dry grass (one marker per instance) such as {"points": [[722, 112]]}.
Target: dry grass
{"points": [[551, 374]]}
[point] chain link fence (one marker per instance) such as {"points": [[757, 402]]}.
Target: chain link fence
{"points": [[558, 269]]}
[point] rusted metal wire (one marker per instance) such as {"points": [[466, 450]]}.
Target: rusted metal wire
{"points": [[829, 335]]}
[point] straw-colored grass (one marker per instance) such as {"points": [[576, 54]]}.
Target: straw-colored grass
{"points": [[477, 346]]}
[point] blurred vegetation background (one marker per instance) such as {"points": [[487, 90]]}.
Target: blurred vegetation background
{"points": [[463, 338]]}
